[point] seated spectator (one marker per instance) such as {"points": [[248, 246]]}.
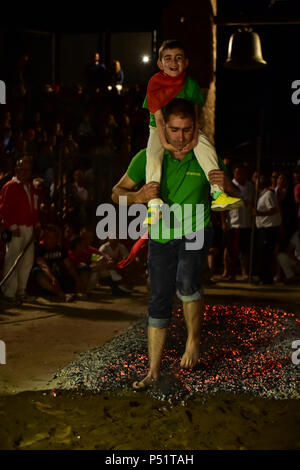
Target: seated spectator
{"points": [[69, 232], [88, 267], [53, 271], [289, 259]]}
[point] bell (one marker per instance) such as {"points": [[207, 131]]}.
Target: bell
{"points": [[244, 51]]}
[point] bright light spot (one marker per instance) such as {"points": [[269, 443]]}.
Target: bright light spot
{"points": [[109, 87], [146, 59], [119, 87]]}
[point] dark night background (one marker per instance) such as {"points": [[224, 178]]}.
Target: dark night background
{"points": [[241, 95]]}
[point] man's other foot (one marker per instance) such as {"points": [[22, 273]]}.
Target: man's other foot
{"points": [[226, 203], [153, 216]]}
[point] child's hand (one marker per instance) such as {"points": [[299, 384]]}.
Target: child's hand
{"points": [[170, 147], [149, 191], [191, 145]]}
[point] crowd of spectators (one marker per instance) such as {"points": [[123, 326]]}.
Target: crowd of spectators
{"points": [[79, 142], [260, 239]]}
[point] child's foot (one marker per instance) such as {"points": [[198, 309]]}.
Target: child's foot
{"points": [[223, 202], [153, 216]]}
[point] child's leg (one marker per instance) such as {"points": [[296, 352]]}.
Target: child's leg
{"points": [[207, 158], [155, 153]]}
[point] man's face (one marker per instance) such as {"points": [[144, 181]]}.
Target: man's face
{"points": [[179, 131], [173, 62]]}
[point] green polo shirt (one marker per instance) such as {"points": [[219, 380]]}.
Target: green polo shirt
{"points": [[191, 92], [184, 184]]}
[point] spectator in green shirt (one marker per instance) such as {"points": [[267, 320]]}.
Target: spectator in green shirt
{"points": [[173, 264]]}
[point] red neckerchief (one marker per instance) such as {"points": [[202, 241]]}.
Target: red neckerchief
{"points": [[162, 88]]}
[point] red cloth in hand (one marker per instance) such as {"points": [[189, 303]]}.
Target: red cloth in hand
{"points": [[133, 252]]}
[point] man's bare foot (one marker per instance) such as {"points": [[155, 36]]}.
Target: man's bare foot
{"points": [[191, 355], [145, 383]]}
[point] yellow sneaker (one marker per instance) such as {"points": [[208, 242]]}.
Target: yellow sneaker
{"points": [[226, 203], [153, 216]]}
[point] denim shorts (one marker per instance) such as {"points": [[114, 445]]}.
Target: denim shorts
{"points": [[172, 268]]}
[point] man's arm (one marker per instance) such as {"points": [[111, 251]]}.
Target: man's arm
{"points": [[126, 187], [219, 177]]}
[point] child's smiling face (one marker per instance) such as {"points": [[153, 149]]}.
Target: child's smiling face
{"points": [[173, 62]]}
